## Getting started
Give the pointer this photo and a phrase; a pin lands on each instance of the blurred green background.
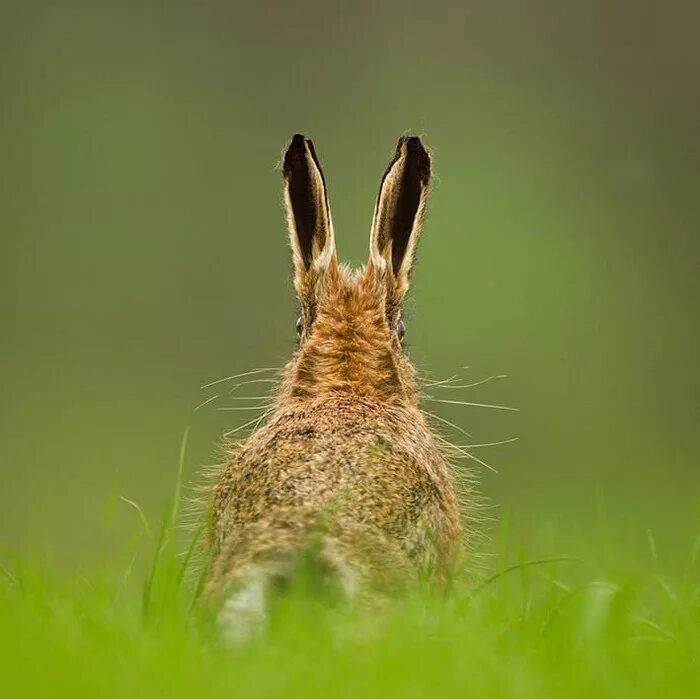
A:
(144, 249)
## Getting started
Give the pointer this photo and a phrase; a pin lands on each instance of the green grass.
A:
(553, 627)
(536, 629)
(527, 632)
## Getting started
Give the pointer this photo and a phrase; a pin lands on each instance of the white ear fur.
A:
(399, 210)
(308, 213)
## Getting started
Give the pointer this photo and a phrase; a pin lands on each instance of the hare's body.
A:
(346, 462)
(367, 480)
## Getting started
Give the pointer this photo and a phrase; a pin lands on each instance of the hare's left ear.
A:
(308, 213)
(398, 214)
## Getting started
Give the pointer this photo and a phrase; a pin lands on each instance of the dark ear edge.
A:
(401, 201)
(307, 202)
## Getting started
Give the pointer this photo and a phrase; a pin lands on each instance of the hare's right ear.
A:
(308, 213)
(398, 213)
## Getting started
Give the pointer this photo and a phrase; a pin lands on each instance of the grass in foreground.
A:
(534, 629)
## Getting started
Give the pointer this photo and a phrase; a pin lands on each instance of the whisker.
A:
(430, 384)
(255, 420)
(247, 383)
(238, 376)
(206, 402)
(488, 444)
(465, 454)
(261, 418)
(478, 383)
(245, 407)
(451, 424)
(480, 461)
(249, 398)
(468, 455)
(473, 405)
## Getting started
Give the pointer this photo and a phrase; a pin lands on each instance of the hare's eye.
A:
(300, 325)
(400, 330)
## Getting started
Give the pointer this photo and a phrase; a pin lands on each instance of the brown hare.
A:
(346, 457)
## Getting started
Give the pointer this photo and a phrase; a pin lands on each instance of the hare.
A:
(346, 444)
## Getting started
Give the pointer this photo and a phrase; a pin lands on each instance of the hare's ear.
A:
(398, 214)
(308, 213)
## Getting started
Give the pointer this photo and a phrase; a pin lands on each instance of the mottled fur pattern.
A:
(346, 461)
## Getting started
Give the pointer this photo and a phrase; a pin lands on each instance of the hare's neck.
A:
(351, 368)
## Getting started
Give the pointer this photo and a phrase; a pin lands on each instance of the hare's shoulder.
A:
(338, 445)
(341, 423)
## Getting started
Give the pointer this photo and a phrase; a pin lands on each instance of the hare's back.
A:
(361, 460)
(354, 468)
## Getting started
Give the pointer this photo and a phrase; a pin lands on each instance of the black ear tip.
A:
(410, 143)
(296, 152)
(416, 156)
(301, 144)
(413, 142)
(298, 144)
(413, 148)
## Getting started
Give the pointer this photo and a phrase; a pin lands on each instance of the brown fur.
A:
(346, 458)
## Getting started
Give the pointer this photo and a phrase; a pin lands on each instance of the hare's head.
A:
(350, 328)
